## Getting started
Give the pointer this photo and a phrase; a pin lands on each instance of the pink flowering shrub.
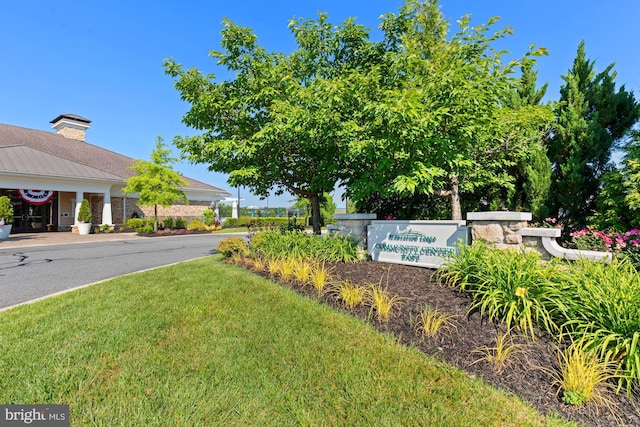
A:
(622, 245)
(551, 223)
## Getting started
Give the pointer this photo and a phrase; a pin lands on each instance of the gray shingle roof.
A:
(55, 153)
(20, 159)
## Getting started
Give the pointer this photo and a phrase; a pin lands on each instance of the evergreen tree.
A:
(591, 117)
(532, 169)
(618, 203)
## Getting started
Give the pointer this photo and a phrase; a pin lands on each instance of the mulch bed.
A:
(460, 346)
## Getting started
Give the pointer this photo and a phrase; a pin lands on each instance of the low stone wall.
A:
(499, 228)
(511, 230)
(502, 229)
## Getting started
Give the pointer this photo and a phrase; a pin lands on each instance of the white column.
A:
(79, 196)
(106, 208)
(234, 209)
(124, 210)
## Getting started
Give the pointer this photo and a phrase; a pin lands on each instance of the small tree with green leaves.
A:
(84, 214)
(6, 210)
(156, 183)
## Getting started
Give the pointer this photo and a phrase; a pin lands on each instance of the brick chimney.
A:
(71, 126)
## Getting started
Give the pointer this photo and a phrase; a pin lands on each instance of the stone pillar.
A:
(500, 228)
(355, 225)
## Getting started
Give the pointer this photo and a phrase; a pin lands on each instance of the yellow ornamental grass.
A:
(350, 293)
(302, 271)
(500, 354)
(382, 302)
(273, 265)
(582, 377)
(259, 264)
(432, 320)
(287, 269)
(320, 278)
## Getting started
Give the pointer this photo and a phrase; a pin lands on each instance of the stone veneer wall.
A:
(117, 206)
(510, 230)
(500, 228)
(72, 133)
(192, 210)
(354, 225)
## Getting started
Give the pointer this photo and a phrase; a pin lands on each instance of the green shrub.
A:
(209, 216)
(246, 221)
(6, 210)
(278, 244)
(181, 224)
(84, 214)
(169, 223)
(604, 313)
(196, 225)
(232, 246)
(147, 229)
(139, 224)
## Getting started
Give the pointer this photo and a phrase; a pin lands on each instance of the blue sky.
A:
(103, 60)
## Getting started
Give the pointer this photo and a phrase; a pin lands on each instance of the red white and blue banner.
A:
(36, 197)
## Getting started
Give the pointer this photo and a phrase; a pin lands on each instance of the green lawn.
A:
(204, 343)
(230, 230)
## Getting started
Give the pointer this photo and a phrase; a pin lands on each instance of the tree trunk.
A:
(456, 209)
(315, 213)
(155, 217)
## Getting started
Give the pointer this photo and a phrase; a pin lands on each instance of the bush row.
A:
(145, 225)
(266, 222)
(277, 243)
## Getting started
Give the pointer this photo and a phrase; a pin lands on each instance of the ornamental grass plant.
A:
(582, 377)
(505, 349)
(320, 277)
(603, 313)
(512, 286)
(381, 302)
(350, 293)
(433, 320)
(462, 269)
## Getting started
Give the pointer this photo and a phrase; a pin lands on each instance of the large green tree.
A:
(155, 182)
(441, 125)
(591, 117)
(283, 122)
(416, 114)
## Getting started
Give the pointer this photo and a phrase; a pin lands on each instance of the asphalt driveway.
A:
(34, 266)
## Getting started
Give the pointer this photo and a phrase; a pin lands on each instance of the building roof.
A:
(20, 159)
(37, 152)
(71, 116)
